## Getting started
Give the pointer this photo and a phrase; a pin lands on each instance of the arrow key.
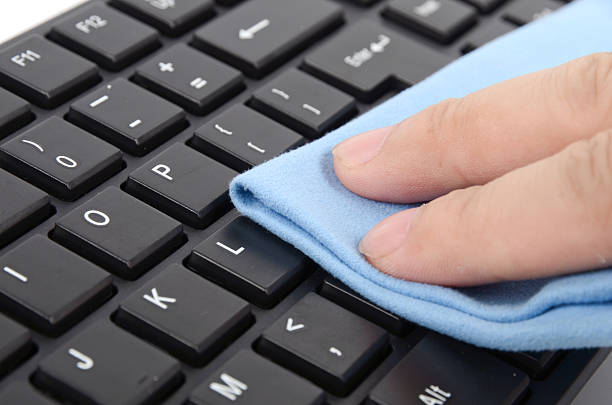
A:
(185, 314)
(324, 343)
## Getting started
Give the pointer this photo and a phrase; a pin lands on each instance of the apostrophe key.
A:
(248, 260)
(258, 36)
(60, 158)
(303, 103)
(250, 379)
(325, 343)
(442, 20)
(439, 370)
(119, 233)
(184, 184)
(189, 78)
(22, 207)
(15, 345)
(49, 287)
(106, 36)
(105, 365)
(185, 314)
(14, 113)
(172, 17)
(366, 59)
(128, 116)
(242, 138)
(45, 73)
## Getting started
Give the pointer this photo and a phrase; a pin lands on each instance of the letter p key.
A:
(163, 170)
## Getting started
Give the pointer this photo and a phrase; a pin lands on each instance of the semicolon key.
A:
(15, 112)
(60, 158)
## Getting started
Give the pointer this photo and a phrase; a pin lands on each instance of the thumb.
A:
(551, 217)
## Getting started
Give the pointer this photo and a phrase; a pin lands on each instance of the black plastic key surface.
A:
(21, 393)
(249, 379)
(325, 343)
(304, 103)
(119, 233)
(105, 365)
(366, 59)
(60, 158)
(22, 207)
(184, 184)
(521, 12)
(49, 287)
(15, 345)
(107, 37)
(342, 295)
(536, 364)
(248, 260)
(172, 17)
(128, 116)
(442, 20)
(14, 113)
(258, 36)
(185, 314)
(439, 370)
(485, 6)
(45, 73)
(189, 78)
(482, 35)
(242, 138)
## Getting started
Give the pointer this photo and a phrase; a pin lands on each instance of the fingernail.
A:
(388, 235)
(361, 148)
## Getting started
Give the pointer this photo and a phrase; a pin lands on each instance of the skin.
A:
(519, 176)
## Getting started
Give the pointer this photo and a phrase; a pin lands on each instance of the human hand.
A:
(527, 165)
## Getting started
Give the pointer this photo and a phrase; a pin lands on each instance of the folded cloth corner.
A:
(298, 197)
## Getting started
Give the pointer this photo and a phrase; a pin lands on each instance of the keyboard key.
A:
(22, 207)
(20, 393)
(61, 158)
(366, 59)
(439, 370)
(106, 36)
(536, 364)
(248, 260)
(325, 343)
(249, 379)
(107, 366)
(14, 113)
(184, 184)
(339, 293)
(49, 287)
(44, 73)
(242, 138)
(521, 12)
(15, 345)
(186, 315)
(172, 17)
(485, 34)
(119, 233)
(128, 117)
(485, 6)
(442, 20)
(258, 36)
(190, 79)
(304, 103)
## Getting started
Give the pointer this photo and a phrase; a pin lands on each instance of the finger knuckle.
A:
(587, 85)
(586, 173)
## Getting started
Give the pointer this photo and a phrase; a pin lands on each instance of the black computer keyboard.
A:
(125, 275)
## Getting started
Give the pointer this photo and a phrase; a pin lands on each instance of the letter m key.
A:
(231, 387)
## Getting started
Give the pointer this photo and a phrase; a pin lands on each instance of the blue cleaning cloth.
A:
(298, 197)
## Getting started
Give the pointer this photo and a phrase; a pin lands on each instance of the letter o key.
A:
(94, 216)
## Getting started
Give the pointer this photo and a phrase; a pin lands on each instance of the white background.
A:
(17, 16)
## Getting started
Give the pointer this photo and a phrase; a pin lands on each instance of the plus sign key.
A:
(190, 79)
(325, 343)
(185, 314)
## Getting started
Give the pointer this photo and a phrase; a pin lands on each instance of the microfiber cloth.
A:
(298, 197)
